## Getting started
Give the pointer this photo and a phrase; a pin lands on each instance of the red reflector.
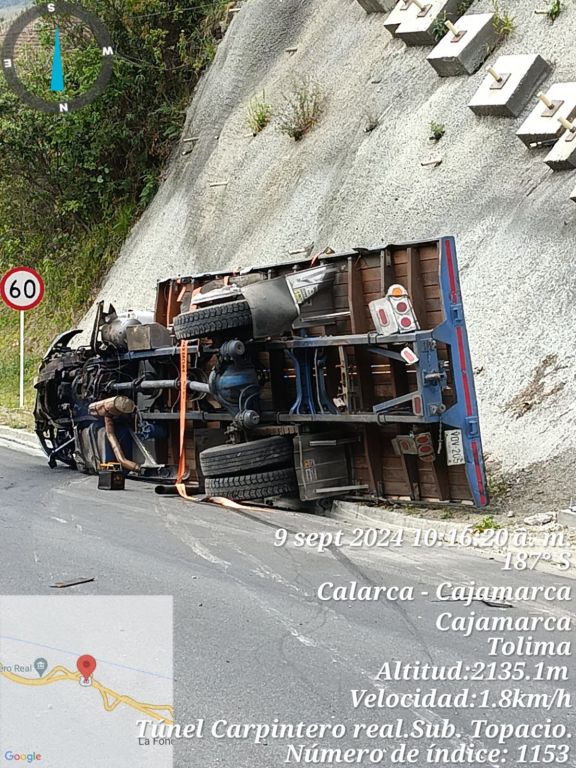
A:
(405, 322)
(425, 449)
(417, 405)
(424, 438)
(382, 316)
(402, 307)
(408, 356)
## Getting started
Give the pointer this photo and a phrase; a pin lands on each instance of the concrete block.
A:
(542, 124)
(562, 157)
(402, 11)
(464, 54)
(377, 6)
(418, 28)
(521, 75)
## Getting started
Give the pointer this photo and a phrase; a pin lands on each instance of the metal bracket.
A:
(387, 405)
(571, 135)
(304, 402)
(552, 111)
(424, 11)
(59, 449)
(325, 404)
(472, 427)
(457, 313)
(497, 85)
(149, 462)
(434, 377)
(386, 353)
(335, 443)
(459, 36)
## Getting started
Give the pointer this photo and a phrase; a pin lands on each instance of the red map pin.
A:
(86, 666)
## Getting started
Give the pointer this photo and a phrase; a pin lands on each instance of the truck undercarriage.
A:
(345, 377)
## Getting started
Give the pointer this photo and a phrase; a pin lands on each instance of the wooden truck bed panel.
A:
(428, 271)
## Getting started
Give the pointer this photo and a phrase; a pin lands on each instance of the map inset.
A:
(76, 676)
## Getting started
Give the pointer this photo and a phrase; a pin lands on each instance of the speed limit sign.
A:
(22, 288)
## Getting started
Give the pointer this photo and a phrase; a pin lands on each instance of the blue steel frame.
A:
(463, 414)
(432, 379)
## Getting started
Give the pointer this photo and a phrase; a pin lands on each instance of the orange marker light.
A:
(397, 290)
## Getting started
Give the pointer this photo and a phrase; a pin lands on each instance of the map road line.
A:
(62, 674)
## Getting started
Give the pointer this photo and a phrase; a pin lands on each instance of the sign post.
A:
(21, 359)
(22, 289)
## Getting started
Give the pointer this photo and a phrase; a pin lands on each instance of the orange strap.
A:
(183, 406)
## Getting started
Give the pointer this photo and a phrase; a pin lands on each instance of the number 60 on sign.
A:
(22, 289)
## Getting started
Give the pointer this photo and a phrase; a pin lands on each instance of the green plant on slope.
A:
(487, 523)
(437, 130)
(302, 109)
(464, 6)
(554, 10)
(259, 114)
(439, 28)
(504, 22)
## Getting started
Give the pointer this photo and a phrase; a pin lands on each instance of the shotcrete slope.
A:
(343, 187)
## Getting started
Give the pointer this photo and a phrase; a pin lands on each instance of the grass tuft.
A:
(439, 28)
(302, 108)
(464, 6)
(487, 523)
(554, 10)
(504, 22)
(437, 130)
(259, 114)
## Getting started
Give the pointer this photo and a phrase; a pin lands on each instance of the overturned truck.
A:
(345, 376)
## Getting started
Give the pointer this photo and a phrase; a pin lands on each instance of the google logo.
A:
(31, 758)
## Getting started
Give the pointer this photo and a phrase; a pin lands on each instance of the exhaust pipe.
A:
(106, 409)
(125, 463)
(112, 406)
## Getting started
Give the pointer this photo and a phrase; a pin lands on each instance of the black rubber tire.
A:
(276, 482)
(225, 460)
(208, 320)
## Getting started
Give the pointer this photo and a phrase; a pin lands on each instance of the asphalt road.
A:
(252, 639)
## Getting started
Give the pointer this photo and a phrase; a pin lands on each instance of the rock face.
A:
(342, 186)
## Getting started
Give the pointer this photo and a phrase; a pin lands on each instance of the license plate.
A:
(454, 447)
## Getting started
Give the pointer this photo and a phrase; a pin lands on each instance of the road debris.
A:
(540, 518)
(75, 583)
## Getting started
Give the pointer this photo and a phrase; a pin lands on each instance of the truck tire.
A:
(208, 320)
(225, 460)
(276, 482)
